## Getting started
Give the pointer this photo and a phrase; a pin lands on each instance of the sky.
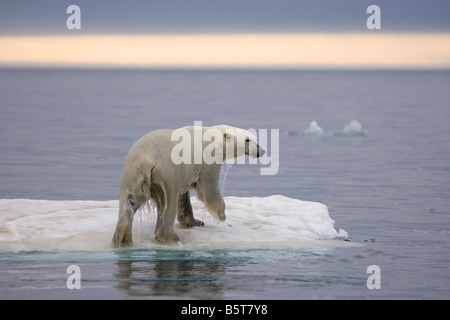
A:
(275, 33)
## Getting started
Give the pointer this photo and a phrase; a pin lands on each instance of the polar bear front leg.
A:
(185, 213)
(214, 202)
(208, 192)
(216, 206)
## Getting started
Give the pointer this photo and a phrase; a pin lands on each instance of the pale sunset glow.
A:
(417, 50)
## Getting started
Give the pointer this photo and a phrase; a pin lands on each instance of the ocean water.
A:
(371, 187)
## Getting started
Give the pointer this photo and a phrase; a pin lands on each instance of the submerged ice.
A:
(252, 222)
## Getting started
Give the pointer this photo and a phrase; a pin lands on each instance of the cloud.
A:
(46, 17)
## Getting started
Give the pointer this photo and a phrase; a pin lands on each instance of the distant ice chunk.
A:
(313, 130)
(353, 129)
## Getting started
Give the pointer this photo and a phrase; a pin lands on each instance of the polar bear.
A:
(160, 168)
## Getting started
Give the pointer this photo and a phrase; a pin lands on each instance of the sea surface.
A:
(380, 164)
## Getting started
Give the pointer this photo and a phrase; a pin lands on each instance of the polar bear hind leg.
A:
(123, 235)
(134, 193)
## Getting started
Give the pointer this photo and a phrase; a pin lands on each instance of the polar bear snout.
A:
(253, 149)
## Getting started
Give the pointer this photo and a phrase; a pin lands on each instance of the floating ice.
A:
(252, 222)
(313, 130)
(354, 128)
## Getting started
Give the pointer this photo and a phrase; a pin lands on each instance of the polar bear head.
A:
(238, 142)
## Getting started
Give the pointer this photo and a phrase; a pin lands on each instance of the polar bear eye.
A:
(247, 140)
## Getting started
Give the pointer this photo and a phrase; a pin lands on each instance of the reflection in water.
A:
(169, 273)
(189, 274)
(216, 274)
